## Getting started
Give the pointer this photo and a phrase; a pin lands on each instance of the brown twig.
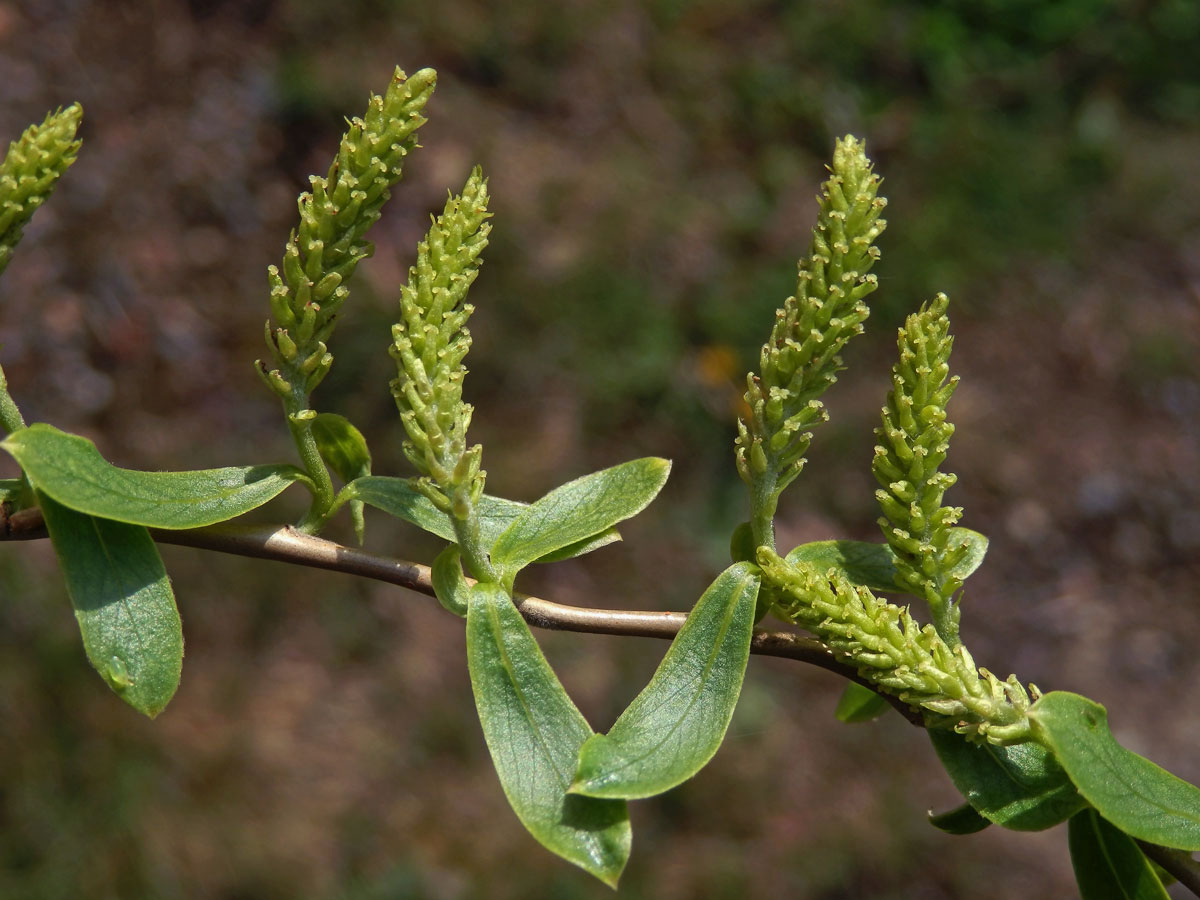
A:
(286, 544)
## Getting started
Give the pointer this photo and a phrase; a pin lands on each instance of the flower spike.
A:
(914, 438)
(802, 357)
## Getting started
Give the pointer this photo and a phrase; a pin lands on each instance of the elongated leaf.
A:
(1108, 864)
(578, 510)
(960, 820)
(1140, 798)
(859, 704)
(397, 497)
(123, 601)
(677, 723)
(874, 565)
(69, 469)
(449, 585)
(534, 732)
(1020, 787)
(344, 448)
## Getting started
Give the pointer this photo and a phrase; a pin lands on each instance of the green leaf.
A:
(861, 562)
(677, 723)
(10, 489)
(960, 820)
(534, 732)
(577, 510)
(1140, 798)
(1108, 864)
(449, 584)
(581, 548)
(874, 565)
(344, 448)
(123, 601)
(1165, 878)
(397, 497)
(1019, 787)
(70, 469)
(859, 704)
(977, 547)
(742, 546)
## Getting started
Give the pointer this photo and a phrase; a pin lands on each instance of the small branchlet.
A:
(897, 654)
(429, 344)
(801, 359)
(321, 255)
(914, 439)
(31, 169)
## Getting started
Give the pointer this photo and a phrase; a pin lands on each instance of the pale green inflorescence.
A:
(801, 359)
(324, 251)
(429, 344)
(31, 169)
(896, 654)
(915, 437)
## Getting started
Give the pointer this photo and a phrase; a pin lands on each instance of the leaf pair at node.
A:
(573, 519)
(401, 497)
(533, 730)
(1076, 771)
(97, 516)
(1074, 763)
(567, 785)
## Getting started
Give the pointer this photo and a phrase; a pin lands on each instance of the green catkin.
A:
(898, 655)
(429, 344)
(310, 285)
(802, 357)
(914, 437)
(30, 171)
(28, 175)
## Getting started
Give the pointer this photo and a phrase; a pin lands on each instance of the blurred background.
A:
(653, 167)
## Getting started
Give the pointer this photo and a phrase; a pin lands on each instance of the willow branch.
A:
(287, 545)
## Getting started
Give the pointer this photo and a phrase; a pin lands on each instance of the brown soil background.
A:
(649, 208)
